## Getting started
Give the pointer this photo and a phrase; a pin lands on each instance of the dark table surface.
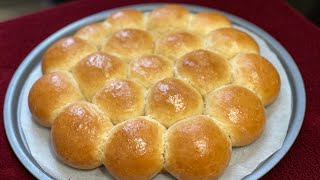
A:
(299, 36)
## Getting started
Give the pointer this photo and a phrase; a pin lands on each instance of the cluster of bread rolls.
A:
(142, 93)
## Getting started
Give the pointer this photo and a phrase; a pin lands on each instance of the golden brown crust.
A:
(96, 34)
(168, 18)
(228, 42)
(196, 149)
(65, 53)
(162, 64)
(121, 99)
(238, 111)
(204, 22)
(257, 74)
(126, 18)
(129, 43)
(177, 44)
(171, 100)
(78, 133)
(134, 149)
(50, 93)
(93, 71)
(205, 70)
(149, 69)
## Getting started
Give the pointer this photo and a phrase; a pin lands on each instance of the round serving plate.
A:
(12, 109)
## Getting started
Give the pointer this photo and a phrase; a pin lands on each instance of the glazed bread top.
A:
(143, 72)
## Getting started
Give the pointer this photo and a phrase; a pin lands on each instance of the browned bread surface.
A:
(238, 111)
(50, 94)
(134, 149)
(193, 73)
(121, 99)
(78, 134)
(93, 71)
(205, 70)
(196, 148)
(257, 74)
(65, 53)
(229, 42)
(171, 100)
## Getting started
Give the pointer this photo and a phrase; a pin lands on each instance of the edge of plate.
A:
(14, 132)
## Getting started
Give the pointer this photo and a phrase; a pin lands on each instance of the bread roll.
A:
(204, 22)
(228, 42)
(65, 53)
(167, 19)
(177, 44)
(171, 100)
(93, 71)
(238, 111)
(196, 149)
(50, 94)
(126, 18)
(205, 70)
(149, 69)
(257, 74)
(96, 34)
(121, 99)
(134, 149)
(129, 44)
(146, 70)
(78, 134)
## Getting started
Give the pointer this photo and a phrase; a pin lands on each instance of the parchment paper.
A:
(243, 162)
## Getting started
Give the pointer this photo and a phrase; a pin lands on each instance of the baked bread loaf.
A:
(78, 134)
(229, 42)
(238, 111)
(50, 94)
(134, 149)
(149, 69)
(176, 44)
(203, 23)
(196, 142)
(110, 91)
(129, 43)
(171, 100)
(65, 53)
(167, 19)
(126, 18)
(93, 71)
(205, 70)
(96, 34)
(257, 74)
(121, 99)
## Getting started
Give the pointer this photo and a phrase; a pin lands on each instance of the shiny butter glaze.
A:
(93, 71)
(121, 99)
(171, 100)
(129, 43)
(168, 18)
(134, 149)
(239, 111)
(95, 34)
(77, 134)
(50, 93)
(65, 53)
(177, 44)
(149, 69)
(228, 42)
(203, 23)
(126, 18)
(204, 145)
(257, 74)
(205, 70)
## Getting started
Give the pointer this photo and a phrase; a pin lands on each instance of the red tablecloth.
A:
(301, 38)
